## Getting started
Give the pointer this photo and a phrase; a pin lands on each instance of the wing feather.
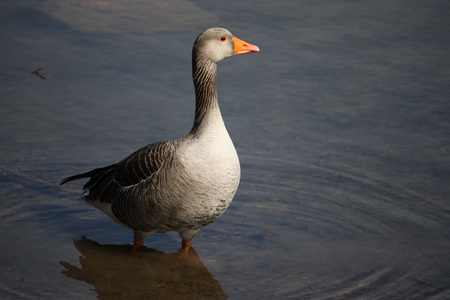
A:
(105, 183)
(142, 164)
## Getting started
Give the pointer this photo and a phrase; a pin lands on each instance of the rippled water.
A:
(342, 124)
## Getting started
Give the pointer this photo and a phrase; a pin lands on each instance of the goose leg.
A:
(186, 237)
(185, 245)
(139, 237)
(137, 243)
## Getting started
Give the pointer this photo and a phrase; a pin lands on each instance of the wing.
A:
(143, 163)
(105, 183)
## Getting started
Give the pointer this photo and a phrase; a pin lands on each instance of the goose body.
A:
(179, 185)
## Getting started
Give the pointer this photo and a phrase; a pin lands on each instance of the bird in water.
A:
(178, 185)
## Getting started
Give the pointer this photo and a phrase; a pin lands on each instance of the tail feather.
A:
(101, 185)
(89, 174)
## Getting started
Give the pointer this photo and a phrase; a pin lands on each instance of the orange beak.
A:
(241, 47)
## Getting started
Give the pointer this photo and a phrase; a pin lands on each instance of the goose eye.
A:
(223, 38)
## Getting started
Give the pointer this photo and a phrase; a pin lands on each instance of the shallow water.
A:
(341, 122)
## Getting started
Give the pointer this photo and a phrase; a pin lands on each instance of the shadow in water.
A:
(147, 274)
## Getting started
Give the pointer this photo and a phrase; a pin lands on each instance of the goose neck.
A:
(204, 73)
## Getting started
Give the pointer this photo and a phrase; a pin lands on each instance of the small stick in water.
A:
(37, 71)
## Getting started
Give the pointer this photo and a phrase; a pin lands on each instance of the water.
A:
(341, 123)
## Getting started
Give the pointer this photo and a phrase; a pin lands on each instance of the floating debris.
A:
(38, 70)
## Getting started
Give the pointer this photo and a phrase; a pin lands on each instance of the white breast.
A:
(213, 165)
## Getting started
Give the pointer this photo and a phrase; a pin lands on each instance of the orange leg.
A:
(137, 243)
(185, 245)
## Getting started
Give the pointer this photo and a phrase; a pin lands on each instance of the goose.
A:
(183, 184)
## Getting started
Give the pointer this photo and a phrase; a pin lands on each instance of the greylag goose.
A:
(179, 185)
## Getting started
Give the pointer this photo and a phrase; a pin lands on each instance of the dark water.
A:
(342, 124)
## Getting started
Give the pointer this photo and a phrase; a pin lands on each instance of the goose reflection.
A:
(148, 274)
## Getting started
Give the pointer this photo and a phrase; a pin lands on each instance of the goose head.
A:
(216, 44)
